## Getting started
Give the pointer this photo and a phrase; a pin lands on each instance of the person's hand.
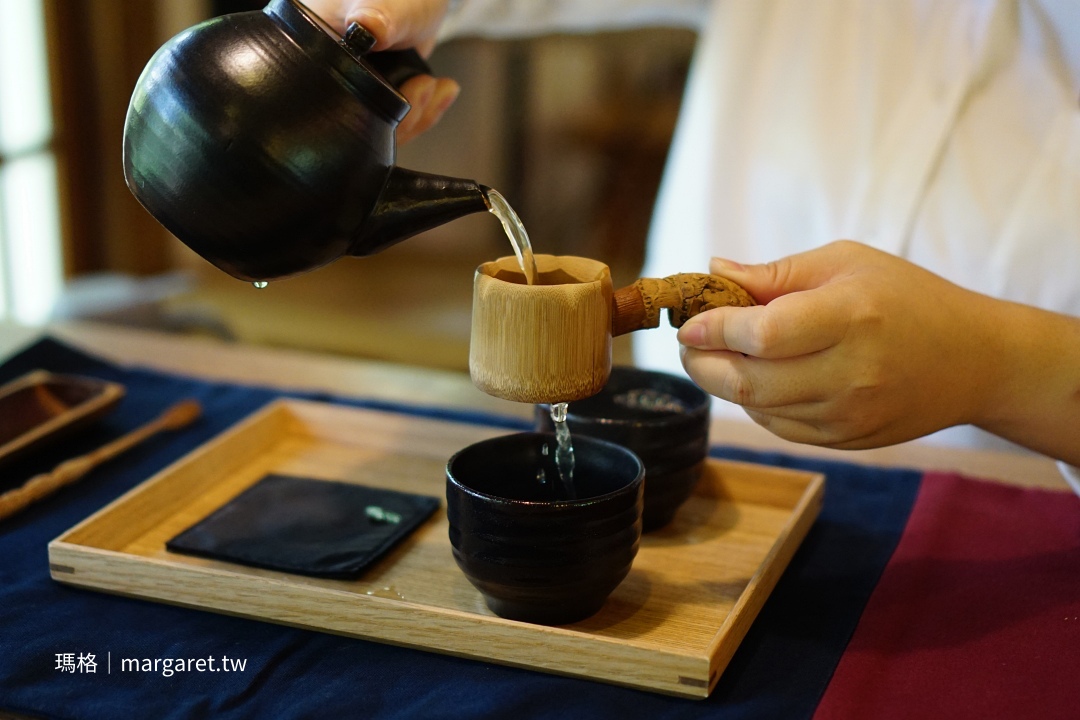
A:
(399, 25)
(851, 347)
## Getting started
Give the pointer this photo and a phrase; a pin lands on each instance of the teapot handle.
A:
(399, 66)
(396, 66)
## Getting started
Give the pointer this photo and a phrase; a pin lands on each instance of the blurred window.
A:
(30, 251)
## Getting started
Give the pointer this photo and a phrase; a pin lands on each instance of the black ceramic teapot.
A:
(265, 142)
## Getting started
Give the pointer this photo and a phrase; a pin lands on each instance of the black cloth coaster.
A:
(309, 527)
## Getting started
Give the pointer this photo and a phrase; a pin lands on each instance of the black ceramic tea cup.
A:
(535, 553)
(662, 418)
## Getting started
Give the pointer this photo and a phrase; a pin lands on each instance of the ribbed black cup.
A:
(534, 553)
(672, 438)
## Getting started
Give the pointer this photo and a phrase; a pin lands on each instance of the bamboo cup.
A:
(551, 342)
(548, 342)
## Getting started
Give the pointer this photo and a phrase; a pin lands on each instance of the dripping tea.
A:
(662, 418)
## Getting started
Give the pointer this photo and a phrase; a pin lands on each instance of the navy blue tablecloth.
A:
(46, 628)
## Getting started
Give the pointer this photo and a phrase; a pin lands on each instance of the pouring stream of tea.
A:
(564, 450)
(515, 231)
(519, 239)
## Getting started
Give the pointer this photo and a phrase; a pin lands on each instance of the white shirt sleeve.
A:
(510, 18)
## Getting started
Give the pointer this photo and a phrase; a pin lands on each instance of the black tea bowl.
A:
(536, 551)
(662, 418)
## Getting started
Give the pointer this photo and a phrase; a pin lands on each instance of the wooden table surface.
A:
(298, 370)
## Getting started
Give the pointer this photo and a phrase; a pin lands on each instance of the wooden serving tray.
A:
(671, 626)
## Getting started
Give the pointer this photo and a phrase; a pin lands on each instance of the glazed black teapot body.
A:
(266, 143)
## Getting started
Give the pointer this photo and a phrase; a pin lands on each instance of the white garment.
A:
(943, 131)
(510, 18)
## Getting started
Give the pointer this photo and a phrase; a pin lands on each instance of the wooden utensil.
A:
(551, 342)
(41, 407)
(39, 486)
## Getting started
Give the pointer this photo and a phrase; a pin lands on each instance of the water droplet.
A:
(386, 591)
(260, 284)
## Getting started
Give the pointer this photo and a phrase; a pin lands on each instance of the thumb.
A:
(398, 25)
(376, 20)
(767, 281)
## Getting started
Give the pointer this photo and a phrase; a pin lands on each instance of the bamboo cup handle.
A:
(71, 470)
(637, 306)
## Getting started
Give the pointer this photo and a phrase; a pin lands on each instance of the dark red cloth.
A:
(977, 614)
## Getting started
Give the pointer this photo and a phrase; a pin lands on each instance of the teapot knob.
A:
(396, 66)
(359, 39)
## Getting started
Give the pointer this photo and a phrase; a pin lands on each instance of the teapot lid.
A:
(315, 36)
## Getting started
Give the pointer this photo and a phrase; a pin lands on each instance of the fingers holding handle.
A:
(394, 38)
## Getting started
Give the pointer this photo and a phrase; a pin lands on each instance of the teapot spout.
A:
(412, 202)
